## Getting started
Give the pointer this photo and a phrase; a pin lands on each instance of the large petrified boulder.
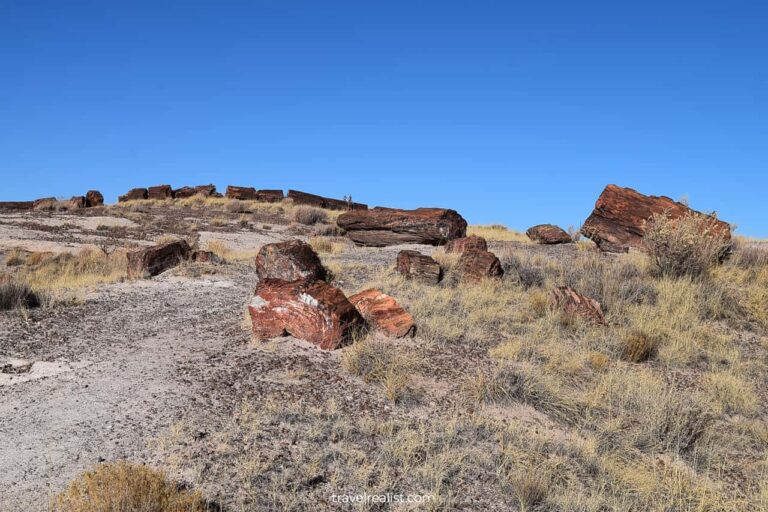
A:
(618, 221)
(160, 192)
(151, 261)
(241, 193)
(414, 265)
(379, 227)
(184, 192)
(289, 261)
(94, 198)
(206, 190)
(134, 194)
(383, 313)
(467, 243)
(323, 202)
(313, 311)
(572, 302)
(270, 196)
(16, 205)
(548, 234)
(478, 265)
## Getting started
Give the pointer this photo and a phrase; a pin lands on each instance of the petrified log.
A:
(160, 192)
(17, 205)
(467, 243)
(94, 198)
(572, 302)
(548, 234)
(153, 260)
(200, 256)
(379, 227)
(270, 196)
(618, 220)
(323, 202)
(383, 313)
(134, 194)
(46, 203)
(414, 265)
(206, 190)
(478, 265)
(241, 193)
(290, 261)
(309, 310)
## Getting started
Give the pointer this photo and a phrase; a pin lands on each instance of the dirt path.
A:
(119, 381)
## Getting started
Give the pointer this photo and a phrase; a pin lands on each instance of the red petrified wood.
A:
(618, 221)
(133, 195)
(414, 265)
(312, 311)
(289, 261)
(572, 302)
(94, 198)
(548, 234)
(160, 192)
(379, 227)
(467, 243)
(242, 193)
(383, 313)
(153, 260)
(478, 265)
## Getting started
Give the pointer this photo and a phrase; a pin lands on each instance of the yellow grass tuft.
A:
(498, 232)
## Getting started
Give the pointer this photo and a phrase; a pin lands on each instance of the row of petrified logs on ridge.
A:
(161, 192)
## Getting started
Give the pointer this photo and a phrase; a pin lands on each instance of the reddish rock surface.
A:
(618, 221)
(133, 195)
(478, 265)
(184, 192)
(548, 234)
(270, 196)
(241, 193)
(204, 257)
(323, 202)
(312, 311)
(160, 192)
(153, 260)
(572, 302)
(467, 243)
(206, 190)
(45, 203)
(17, 205)
(379, 227)
(94, 198)
(383, 313)
(414, 265)
(290, 261)
(77, 202)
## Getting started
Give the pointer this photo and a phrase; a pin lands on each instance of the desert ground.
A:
(499, 402)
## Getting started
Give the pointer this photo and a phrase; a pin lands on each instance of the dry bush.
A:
(219, 220)
(498, 232)
(685, 246)
(308, 215)
(732, 393)
(530, 272)
(237, 206)
(379, 360)
(15, 295)
(749, 254)
(124, 487)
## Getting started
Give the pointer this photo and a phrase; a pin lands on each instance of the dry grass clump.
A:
(15, 257)
(686, 246)
(639, 347)
(308, 215)
(379, 360)
(124, 487)
(221, 249)
(15, 295)
(329, 245)
(731, 393)
(498, 232)
(88, 267)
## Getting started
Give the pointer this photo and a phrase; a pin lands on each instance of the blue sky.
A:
(511, 112)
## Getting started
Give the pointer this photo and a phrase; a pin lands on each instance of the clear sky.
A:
(511, 112)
